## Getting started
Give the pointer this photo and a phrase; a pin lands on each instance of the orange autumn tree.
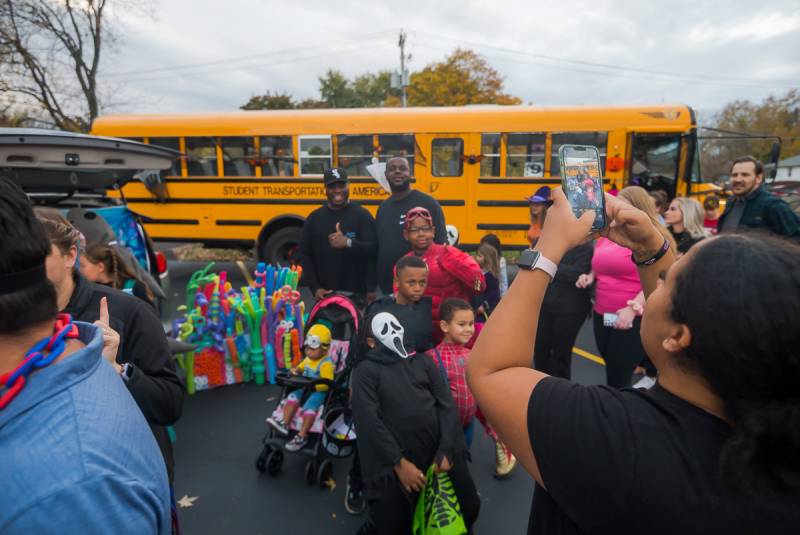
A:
(464, 77)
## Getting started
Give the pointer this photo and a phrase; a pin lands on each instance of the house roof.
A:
(794, 161)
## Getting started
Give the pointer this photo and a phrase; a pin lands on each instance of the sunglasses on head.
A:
(418, 213)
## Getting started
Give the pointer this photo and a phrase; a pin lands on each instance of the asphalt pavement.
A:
(219, 437)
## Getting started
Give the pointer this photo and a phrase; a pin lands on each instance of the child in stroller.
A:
(329, 431)
(316, 365)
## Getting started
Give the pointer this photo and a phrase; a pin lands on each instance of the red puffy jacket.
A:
(451, 273)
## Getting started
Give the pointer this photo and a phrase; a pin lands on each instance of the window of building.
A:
(276, 156)
(525, 154)
(201, 156)
(354, 154)
(595, 139)
(446, 156)
(490, 150)
(315, 154)
(237, 156)
(169, 143)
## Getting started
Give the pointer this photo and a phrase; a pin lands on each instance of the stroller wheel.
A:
(311, 471)
(324, 472)
(261, 460)
(274, 462)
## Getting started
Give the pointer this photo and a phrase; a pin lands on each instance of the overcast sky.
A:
(202, 55)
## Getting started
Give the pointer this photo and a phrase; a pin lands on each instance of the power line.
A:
(228, 61)
(673, 78)
(603, 65)
(261, 65)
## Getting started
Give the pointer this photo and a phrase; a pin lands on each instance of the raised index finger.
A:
(104, 310)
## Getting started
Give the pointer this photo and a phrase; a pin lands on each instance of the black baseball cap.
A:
(332, 176)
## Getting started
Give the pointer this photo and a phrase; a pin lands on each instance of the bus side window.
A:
(201, 156)
(391, 145)
(315, 154)
(169, 143)
(354, 154)
(276, 156)
(525, 155)
(595, 139)
(236, 155)
(446, 157)
(490, 150)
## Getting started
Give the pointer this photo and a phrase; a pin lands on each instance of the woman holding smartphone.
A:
(712, 447)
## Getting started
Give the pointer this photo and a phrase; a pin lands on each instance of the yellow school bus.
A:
(252, 177)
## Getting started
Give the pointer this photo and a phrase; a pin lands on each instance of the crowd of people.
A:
(705, 329)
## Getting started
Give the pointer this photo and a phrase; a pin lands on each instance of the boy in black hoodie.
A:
(406, 421)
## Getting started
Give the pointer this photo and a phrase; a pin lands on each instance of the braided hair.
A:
(115, 266)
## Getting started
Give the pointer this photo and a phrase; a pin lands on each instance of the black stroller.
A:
(332, 434)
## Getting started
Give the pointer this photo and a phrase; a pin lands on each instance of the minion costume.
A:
(322, 368)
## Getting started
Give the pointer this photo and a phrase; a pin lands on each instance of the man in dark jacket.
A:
(390, 219)
(143, 361)
(338, 242)
(752, 206)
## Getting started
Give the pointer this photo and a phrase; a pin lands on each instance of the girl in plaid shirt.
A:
(457, 322)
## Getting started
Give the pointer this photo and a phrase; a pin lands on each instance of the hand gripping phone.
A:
(582, 181)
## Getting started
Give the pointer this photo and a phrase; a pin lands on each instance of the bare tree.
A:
(50, 54)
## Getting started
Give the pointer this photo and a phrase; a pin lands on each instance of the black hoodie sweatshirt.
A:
(403, 408)
(154, 384)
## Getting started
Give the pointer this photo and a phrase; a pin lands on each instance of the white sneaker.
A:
(278, 423)
(296, 444)
(645, 383)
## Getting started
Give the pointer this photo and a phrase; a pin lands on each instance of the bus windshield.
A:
(655, 161)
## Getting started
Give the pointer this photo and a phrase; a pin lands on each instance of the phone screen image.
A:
(582, 181)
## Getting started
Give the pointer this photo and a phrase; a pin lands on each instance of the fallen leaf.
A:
(186, 501)
(330, 483)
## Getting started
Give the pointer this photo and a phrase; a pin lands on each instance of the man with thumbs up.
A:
(338, 244)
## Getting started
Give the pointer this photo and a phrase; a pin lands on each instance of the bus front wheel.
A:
(282, 247)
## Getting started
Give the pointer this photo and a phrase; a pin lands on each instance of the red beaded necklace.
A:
(11, 383)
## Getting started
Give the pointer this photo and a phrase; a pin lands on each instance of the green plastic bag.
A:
(438, 512)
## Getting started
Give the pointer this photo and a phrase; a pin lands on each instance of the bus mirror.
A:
(774, 156)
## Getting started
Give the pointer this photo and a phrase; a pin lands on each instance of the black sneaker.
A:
(354, 501)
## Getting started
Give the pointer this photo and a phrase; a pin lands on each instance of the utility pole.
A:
(403, 72)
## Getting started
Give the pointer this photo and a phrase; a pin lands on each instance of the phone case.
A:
(609, 319)
(600, 220)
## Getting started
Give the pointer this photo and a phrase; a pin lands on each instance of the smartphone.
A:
(582, 181)
(609, 319)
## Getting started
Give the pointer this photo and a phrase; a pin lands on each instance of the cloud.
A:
(209, 56)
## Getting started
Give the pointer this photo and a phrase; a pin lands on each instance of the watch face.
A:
(528, 258)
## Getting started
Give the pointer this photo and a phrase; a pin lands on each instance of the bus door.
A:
(448, 168)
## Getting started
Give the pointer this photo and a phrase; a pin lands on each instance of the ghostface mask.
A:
(389, 333)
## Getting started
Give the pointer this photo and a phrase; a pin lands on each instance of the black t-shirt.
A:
(562, 296)
(346, 269)
(637, 461)
(389, 223)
